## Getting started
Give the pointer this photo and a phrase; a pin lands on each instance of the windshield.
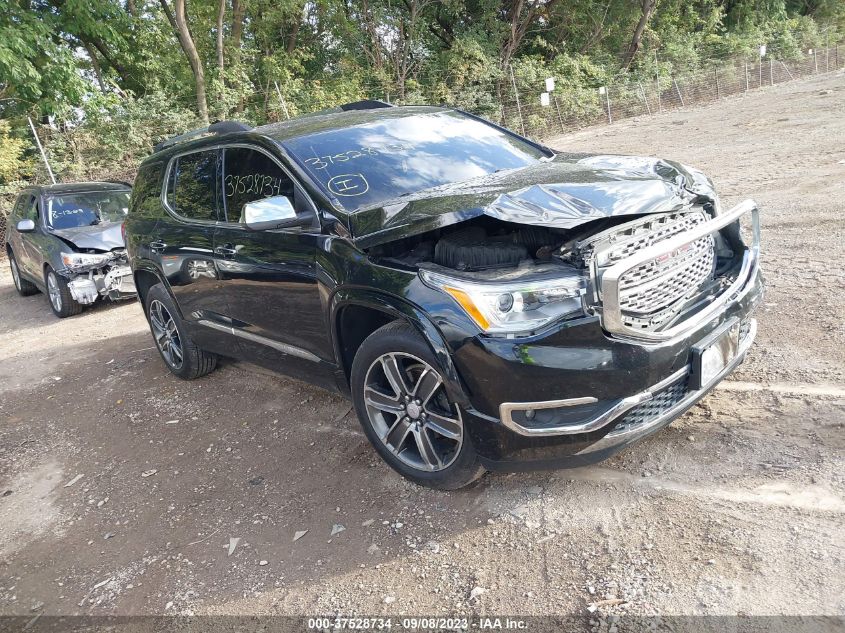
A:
(366, 165)
(87, 209)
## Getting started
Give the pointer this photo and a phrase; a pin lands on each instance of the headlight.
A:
(512, 306)
(75, 261)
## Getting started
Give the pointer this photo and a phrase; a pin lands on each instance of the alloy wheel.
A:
(411, 413)
(16, 276)
(166, 334)
(54, 292)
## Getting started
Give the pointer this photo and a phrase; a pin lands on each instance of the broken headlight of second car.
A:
(514, 306)
(77, 262)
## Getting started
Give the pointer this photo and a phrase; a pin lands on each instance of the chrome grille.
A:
(653, 293)
(650, 410)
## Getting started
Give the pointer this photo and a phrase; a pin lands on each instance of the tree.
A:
(636, 38)
(180, 24)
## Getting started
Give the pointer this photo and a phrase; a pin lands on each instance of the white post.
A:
(746, 76)
(518, 106)
(657, 82)
(645, 98)
(41, 149)
(559, 117)
(607, 98)
(827, 53)
(282, 99)
(678, 90)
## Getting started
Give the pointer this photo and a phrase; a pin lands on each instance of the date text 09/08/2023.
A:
(417, 623)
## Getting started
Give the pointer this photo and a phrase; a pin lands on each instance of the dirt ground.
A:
(124, 490)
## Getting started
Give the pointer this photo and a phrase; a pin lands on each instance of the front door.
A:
(270, 277)
(28, 258)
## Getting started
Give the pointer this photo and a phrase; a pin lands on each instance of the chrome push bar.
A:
(611, 311)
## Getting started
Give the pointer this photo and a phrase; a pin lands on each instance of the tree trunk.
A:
(187, 43)
(647, 8)
(520, 16)
(169, 14)
(291, 46)
(221, 12)
(238, 10)
(95, 64)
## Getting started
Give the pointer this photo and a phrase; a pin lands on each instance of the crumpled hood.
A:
(563, 193)
(104, 237)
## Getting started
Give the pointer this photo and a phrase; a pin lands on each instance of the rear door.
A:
(270, 277)
(183, 243)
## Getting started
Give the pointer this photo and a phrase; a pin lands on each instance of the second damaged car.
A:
(67, 241)
(486, 302)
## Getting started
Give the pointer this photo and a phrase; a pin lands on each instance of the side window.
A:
(17, 210)
(146, 190)
(191, 186)
(250, 175)
(30, 209)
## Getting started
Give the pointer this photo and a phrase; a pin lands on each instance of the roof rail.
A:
(366, 104)
(218, 127)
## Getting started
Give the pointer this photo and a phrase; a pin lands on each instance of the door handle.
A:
(157, 245)
(226, 251)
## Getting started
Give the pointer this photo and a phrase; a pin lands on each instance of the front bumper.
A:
(115, 282)
(610, 390)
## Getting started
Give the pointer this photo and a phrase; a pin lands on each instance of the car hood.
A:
(568, 191)
(104, 237)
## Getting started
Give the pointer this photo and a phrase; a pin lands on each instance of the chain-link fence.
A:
(626, 97)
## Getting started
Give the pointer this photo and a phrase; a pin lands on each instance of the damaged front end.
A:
(642, 244)
(97, 274)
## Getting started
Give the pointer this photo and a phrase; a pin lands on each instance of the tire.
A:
(25, 288)
(422, 438)
(182, 357)
(58, 294)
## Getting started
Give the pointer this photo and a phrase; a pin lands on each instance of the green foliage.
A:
(13, 164)
(108, 78)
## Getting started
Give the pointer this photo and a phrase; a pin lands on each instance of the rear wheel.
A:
(61, 301)
(178, 351)
(24, 287)
(402, 403)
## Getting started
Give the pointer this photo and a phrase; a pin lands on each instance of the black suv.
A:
(487, 302)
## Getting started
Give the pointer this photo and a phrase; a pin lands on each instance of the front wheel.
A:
(61, 301)
(402, 404)
(178, 351)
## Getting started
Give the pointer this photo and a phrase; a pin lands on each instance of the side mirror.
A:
(26, 226)
(272, 213)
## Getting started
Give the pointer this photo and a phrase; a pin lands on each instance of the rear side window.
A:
(250, 175)
(191, 186)
(146, 191)
(29, 208)
(20, 203)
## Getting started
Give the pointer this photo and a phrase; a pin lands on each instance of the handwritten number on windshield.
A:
(321, 162)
